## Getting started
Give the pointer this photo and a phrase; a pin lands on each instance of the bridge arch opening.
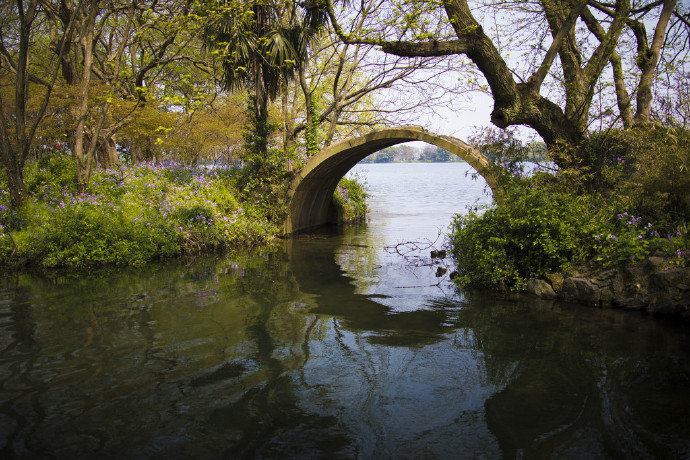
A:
(311, 190)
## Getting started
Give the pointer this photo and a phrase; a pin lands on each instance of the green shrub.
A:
(647, 167)
(87, 234)
(350, 200)
(625, 198)
(658, 184)
(54, 171)
(533, 234)
(537, 232)
(130, 215)
(7, 245)
(9, 218)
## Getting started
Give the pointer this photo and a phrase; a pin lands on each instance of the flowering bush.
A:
(630, 240)
(627, 201)
(533, 234)
(349, 198)
(129, 215)
(537, 232)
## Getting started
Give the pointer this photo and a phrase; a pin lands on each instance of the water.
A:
(329, 346)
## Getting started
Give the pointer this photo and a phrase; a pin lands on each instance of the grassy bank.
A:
(132, 214)
(635, 204)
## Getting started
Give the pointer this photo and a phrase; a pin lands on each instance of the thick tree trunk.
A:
(647, 59)
(15, 146)
(514, 104)
(15, 179)
(87, 40)
(528, 108)
(140, 153)
(106, 151)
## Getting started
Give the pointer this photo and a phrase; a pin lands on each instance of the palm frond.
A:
(249, 31)
(315, 14)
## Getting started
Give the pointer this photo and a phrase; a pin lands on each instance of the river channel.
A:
(337, 344)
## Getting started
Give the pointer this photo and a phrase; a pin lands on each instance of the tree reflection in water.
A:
(287, 353)
(564, 380)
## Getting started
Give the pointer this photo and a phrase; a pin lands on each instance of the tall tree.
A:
(122, 49)
(346, 89)
(261, 45)
(361, 88)
(18, 42)
(449, 27)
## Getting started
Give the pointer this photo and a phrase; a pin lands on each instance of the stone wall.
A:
(651, 285)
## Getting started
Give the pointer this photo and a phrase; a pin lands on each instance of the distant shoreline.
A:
(459, 160)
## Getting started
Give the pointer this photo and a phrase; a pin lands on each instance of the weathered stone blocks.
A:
(650, 286)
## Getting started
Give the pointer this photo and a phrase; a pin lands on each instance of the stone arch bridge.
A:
(312, 188)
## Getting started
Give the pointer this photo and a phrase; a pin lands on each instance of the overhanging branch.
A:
(537, 77)
(432, 48)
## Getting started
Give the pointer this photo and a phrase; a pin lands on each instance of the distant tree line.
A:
(408, 154)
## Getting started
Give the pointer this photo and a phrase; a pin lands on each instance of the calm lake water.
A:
(337, 344)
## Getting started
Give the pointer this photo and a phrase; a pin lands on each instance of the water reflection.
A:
(336, 294)
(583, 383)
(285, 354)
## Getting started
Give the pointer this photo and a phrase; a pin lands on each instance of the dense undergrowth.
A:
(630, 202)
(132, 214)
(350, 200)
